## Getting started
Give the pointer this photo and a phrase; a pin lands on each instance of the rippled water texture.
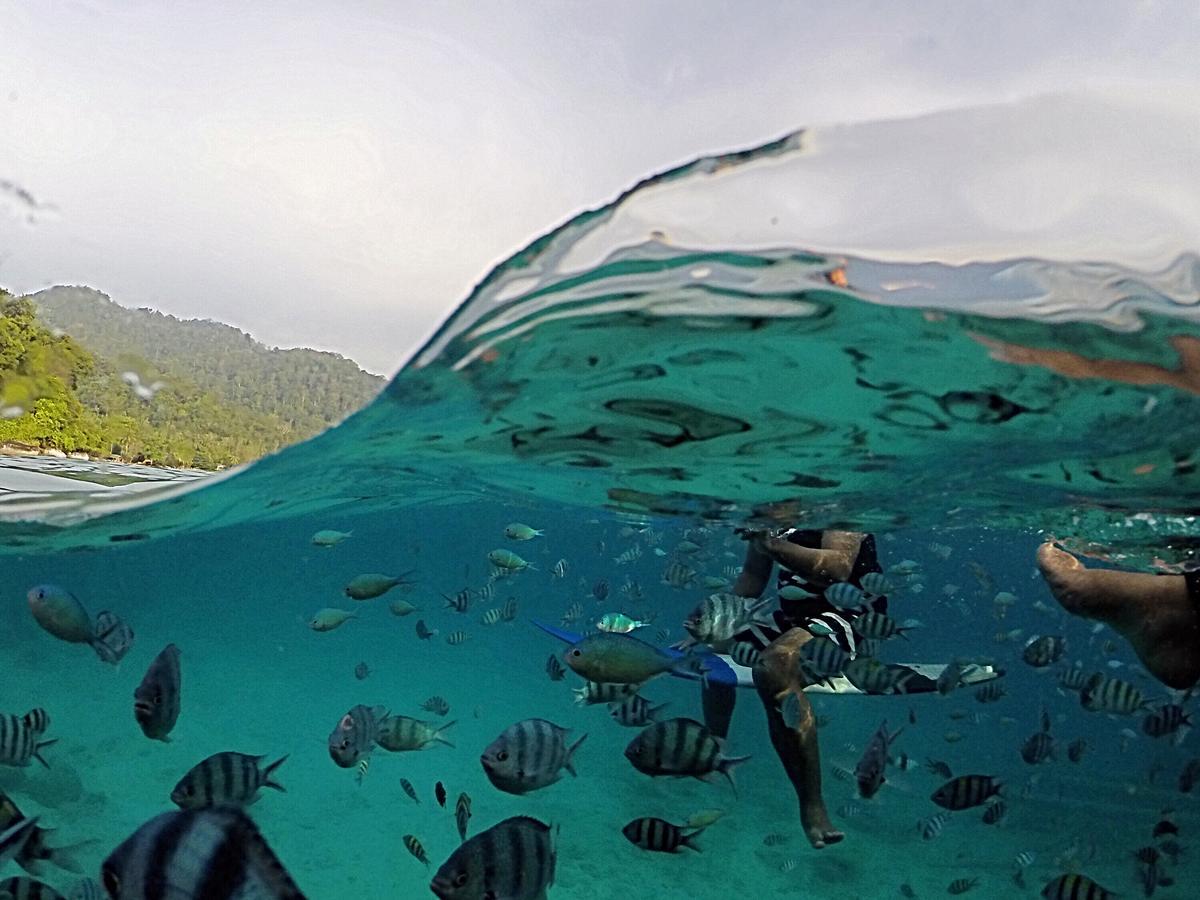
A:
(873, 324)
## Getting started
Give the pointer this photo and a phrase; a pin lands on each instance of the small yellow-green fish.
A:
(619, 623)
(507, 560)
(402, 608)
(329, 538)
(373, 584)
(328, 619)
(518, 532)
(706, 817)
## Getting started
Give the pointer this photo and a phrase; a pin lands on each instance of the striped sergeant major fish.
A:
(660, 835)
(1073, 678)
(871, 676)
(1111, 695)
(87, 889)
(19, 739)
(21, 887)
(226, 779)
(681, 747)
(14, 838)
(462, 814)
(156, 700)
(636, 711)
(822, 659)
(414, 846)
(931, 826)
(1075, 887)
(878, 626)
(529, 755)
(1166, 720)
(606, 692)
(35, 850)
(400, 733)
(515, 858)
(355, 735)
(460, 602)
(197, 853)
(966, 791)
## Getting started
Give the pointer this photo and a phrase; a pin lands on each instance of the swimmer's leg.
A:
(797, 749)
(718, 700)
(1157, 614)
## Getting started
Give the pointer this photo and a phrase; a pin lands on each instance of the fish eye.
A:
(577, 653)
(460, 879)
(112, 882)
(502, 755)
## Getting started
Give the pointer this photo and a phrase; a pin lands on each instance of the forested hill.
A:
(308, 389)
(78, 373)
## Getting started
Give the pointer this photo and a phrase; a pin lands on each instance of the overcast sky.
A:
(338, 175)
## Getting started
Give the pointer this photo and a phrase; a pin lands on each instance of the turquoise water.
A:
(676, 363)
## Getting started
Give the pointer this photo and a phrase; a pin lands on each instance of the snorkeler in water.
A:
(811, 560)
(1158, 614)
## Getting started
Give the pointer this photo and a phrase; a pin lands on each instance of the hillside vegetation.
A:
(79, 373)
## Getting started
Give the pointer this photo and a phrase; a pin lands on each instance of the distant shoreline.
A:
(28, 451)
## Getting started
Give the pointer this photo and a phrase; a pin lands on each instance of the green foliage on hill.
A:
(206, 395)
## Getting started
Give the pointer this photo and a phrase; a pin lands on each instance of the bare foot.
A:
(817, 827)
(1152, 612)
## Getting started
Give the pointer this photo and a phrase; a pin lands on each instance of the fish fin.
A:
(689, 840)
(268, 780)
(437, 735)
(64, 857)
(569, 763)
(725, 767)
(37, 751)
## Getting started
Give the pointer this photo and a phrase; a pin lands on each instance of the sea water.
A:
(755, 337)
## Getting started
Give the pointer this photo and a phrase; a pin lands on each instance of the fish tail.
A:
(689, 840)
(569, 763)
(653, 711)
(268, 772)
(439, 738)
(725, 767)
(37, 751)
